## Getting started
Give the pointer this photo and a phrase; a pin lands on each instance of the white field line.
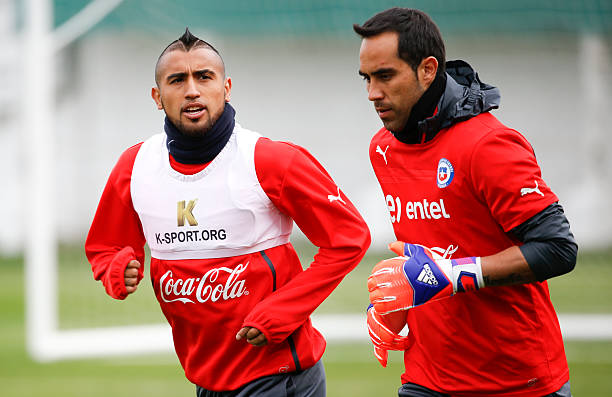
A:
(352, 327)
(337, 329)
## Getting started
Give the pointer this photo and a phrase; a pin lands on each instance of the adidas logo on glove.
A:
(419, 275)
(427, 277)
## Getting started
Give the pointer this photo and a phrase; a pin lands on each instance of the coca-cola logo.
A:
(205, 288)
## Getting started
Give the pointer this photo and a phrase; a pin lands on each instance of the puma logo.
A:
(332, 198)
(529, 190)
(383, 154)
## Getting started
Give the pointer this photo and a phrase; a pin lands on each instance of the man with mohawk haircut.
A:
(216, 202)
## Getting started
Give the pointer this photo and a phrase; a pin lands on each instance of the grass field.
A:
(351, 369)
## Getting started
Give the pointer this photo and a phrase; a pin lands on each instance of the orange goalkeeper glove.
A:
(419, 276)
(382, 337)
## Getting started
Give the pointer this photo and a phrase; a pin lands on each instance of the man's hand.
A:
(383, 333)
(130, 276)
(418, 276)
(252, 335)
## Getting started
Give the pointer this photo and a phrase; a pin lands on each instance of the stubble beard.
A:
(192, 129)
(398, 124)
(394, 126)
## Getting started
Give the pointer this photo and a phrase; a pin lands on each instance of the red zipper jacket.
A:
(268, 290)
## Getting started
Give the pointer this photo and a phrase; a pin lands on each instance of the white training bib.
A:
(219, 212)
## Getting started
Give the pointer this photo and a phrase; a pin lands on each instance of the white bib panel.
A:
(221, 211)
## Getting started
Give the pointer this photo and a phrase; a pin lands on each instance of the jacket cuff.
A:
(114, 281)
(261, 329)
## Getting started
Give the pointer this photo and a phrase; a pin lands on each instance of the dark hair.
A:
(186, 42)
(418, 35)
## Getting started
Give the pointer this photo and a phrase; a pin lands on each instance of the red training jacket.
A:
(268, 290)
(460, 194)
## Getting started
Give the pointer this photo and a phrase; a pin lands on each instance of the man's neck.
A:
(425, 107)
(187, 149)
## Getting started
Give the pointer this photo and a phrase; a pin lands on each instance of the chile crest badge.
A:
(445, 173)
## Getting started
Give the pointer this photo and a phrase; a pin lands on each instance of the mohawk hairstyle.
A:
(188, 39)
(186, 42)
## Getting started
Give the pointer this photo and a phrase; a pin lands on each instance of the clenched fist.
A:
(130, 276)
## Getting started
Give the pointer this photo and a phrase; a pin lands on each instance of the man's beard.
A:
(191, 129)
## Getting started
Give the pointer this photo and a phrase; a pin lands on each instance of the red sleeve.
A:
(507, 176)
(301, 188)
(115, 237)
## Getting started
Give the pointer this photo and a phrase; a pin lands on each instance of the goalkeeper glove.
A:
(382, 337)
(419, 276)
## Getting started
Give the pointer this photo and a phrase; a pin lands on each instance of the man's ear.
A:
(427, 70)
(156, 97)
(228, 89)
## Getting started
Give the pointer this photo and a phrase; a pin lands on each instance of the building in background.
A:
(294, 70)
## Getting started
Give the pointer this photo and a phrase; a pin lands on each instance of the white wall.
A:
(555, 90)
